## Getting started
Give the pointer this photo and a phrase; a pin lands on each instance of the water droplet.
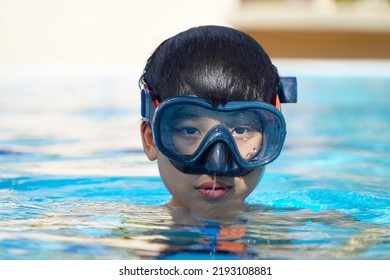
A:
(214, 183)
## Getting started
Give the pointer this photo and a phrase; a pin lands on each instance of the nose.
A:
(217, 159)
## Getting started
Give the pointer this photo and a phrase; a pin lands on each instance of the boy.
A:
(211, 117)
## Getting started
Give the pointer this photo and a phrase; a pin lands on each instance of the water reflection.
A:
(86, 230)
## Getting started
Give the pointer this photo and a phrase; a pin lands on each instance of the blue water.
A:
(75, 184)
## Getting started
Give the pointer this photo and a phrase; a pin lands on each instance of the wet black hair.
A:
(215, 63)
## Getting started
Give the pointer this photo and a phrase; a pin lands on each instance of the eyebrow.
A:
(186, 115)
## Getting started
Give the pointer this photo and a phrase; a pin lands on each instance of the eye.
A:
(189, 130)
(240, 130)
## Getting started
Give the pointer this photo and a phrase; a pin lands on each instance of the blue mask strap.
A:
(288, 90)
(147, 104)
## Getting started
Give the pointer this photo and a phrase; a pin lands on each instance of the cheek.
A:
(174, 180)
(249, 182)
(255, 176)
(167, 171)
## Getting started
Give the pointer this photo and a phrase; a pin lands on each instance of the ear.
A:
(148, 142)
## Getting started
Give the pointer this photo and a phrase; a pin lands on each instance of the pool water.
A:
(75, 184)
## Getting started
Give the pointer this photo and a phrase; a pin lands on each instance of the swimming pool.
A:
(75, 184)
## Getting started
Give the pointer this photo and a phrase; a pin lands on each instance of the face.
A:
(204, 195)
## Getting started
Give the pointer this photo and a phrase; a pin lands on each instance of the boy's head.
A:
(206, 96)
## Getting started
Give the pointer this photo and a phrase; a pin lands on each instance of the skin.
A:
(185, 187)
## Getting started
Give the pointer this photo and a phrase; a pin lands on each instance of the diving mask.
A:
(228, 140)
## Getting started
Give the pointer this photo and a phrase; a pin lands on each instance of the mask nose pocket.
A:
(217, 158)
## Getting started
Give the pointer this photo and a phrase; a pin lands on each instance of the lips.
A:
(213, 190)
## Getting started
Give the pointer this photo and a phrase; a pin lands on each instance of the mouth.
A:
(213, 189)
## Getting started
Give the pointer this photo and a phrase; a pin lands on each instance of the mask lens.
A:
(247, 130)
(254, 134)
(184, 128)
